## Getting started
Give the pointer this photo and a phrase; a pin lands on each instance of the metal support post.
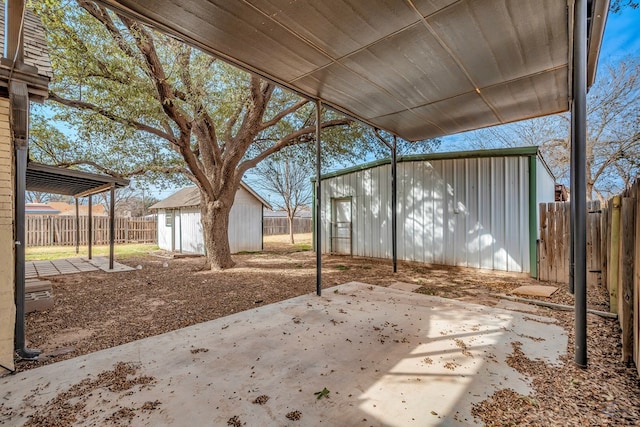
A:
(112, 224)
(77, 227)
(318, 202)
(579, 192)
(394, 204)
(90, 227)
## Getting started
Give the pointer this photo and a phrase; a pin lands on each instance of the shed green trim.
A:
(533, 218)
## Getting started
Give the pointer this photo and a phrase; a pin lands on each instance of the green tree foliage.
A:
(141, 102)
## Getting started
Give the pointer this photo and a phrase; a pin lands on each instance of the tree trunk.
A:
(290, 218)
(215, 225)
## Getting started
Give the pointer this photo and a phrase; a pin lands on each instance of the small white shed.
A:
(473, 209)
(180, 228)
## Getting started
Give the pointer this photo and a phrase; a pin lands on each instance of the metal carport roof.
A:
(68, 182)
(416, 68)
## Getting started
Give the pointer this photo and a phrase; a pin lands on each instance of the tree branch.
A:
(282, 114)
(109, 115)
(291, 139)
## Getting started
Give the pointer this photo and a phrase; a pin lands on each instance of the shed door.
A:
(341, 226)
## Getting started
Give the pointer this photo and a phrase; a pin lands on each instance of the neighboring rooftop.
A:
(40, 209)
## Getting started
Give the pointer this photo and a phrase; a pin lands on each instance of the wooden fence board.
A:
(625, 289)
(555, 242)
(51, 230)
(278, 225)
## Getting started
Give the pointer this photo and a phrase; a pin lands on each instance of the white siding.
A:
(245, 223)
(164, 232)
(546, 189)
(245, 227)
(470, 212)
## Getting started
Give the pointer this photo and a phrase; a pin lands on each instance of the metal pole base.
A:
(28, 354)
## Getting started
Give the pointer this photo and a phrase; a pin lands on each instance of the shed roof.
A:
(190, 196)
(416, 68)
(474, 154)
(68, 182)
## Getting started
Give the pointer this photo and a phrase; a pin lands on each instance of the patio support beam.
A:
(77, 227)
(90, 226)
(394, 200)
(579, 192)
(112, 223)
(394, 203)
(572, 205)
(318, 202)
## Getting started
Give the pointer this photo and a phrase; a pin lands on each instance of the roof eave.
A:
(600, 10)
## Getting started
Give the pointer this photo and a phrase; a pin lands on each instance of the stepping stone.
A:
(535, 290)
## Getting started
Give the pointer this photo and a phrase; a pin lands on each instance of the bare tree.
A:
(613, 133)
(289, 177)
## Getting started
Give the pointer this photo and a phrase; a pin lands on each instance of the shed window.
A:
(168, 219)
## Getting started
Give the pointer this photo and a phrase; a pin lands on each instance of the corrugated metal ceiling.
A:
(417, 68)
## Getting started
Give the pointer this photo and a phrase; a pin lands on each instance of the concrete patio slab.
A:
(387, 357)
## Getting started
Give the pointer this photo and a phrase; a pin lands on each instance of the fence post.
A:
(627, 245)
(543, 271)
(636, 281)
(614, 258)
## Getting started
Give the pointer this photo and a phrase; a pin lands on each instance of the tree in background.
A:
(287, 176)
(613, 133)
(143, 103)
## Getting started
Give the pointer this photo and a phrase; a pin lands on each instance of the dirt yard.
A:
(99, 310)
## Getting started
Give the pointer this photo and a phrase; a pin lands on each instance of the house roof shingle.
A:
(36, 52)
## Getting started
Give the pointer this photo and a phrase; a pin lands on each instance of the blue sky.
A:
(621, 36)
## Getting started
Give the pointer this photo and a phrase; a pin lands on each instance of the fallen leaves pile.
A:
(69, 407)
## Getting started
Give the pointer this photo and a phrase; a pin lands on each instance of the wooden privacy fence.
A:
(52, 230)
(278, 225)
(613, 257)
(554, 245)
(621, 266)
